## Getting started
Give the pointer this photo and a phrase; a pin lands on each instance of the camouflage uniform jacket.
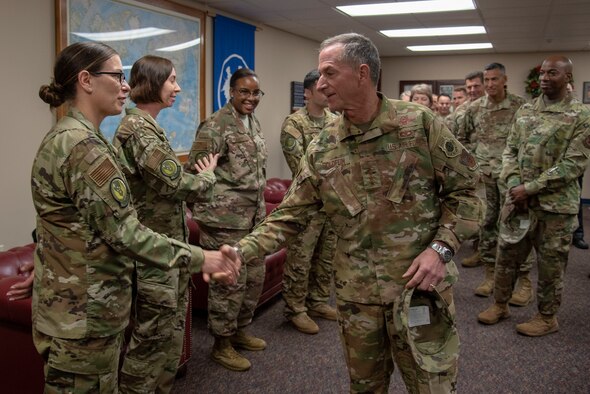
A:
(455, 119)
(388, 193)
(547, 150)
(485, 128)
(158, 185)
(241, 170)
(297, 132)
(85, 223)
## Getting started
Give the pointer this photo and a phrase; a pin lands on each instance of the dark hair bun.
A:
(52, 94)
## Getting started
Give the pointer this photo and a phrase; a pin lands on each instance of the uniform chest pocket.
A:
(343, 206)
(241, 151)
(401, 178)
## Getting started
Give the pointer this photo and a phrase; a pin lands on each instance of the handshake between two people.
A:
(221, 265)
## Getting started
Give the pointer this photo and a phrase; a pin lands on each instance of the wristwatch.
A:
(445, 253)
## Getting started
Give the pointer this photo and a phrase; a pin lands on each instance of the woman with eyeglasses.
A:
(159, 189)
(238, 204)
(88, 229)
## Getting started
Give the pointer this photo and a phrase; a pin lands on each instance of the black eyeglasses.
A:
(118, 74)
(247, 93)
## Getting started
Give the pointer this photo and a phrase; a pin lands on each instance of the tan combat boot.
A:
(523, 293)
(225, 355)
(324, 311)
(246, 341)
(494, 314)
(472, 261)
(304, 323)
(486, 287)
(538, 326)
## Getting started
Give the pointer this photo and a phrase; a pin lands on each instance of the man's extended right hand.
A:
(222, 266)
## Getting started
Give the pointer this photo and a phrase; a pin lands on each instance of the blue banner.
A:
(233, 49)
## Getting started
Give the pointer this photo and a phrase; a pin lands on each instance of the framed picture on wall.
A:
(148, 27)
(586, 93)
(438, 86)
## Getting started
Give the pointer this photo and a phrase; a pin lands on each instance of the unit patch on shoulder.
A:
(170, 168)
(468, 160)
(119, 192)
(450, 147)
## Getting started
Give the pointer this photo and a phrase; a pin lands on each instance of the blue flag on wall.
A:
(233, 49)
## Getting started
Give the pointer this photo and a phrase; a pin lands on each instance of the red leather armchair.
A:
(21, 367)
(19, 358)
(273, 194)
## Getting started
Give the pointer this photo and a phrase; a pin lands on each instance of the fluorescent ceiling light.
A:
(180, 46)
(435, 31)
(407, 7)
(450, 47)
(124, 34)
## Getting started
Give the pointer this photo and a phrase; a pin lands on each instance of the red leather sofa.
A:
(273, 194)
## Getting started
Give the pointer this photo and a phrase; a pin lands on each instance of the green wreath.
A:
(533, 86)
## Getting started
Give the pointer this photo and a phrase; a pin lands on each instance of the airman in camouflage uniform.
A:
(475, 90)
(88, 231)
(307, 273)
(234, 133)
(486, 125)
(547, 150)
(392, 179)
(159, 189)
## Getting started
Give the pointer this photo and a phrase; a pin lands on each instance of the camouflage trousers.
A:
(158, 318)
(371, 345)
(488, 233)
(551, 237)
(307, 276)
(232, 307)
(87, 365)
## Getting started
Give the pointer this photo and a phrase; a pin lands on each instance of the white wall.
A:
(280, 58)
(27, 47)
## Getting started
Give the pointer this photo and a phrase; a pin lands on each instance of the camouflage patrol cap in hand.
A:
(435, 341)
(514, 223)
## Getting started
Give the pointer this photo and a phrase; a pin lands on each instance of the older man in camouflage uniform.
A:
(399, 191)
(234, 133)
(486, 125)
(547, 150)
(308, 269)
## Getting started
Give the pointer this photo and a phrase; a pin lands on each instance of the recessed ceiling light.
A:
(450, 47)
(407, 7)
(435, 31)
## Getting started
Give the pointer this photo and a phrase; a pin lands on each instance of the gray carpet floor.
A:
(493, 359)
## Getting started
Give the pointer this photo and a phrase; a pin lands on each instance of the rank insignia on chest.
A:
(119, 192)
(170, 169)
(405, 133)
(450, 147)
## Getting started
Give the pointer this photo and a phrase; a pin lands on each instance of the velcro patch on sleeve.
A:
(155, 159)
(103, 172)
(201, 145)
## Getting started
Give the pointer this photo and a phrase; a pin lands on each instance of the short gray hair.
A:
(358, 50)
